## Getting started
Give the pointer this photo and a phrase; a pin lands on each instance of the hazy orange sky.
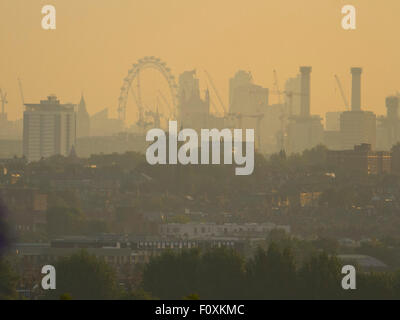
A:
(97, 41)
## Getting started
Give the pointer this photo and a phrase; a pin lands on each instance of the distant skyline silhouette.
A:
(96, 42)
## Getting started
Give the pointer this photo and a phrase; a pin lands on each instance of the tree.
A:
(8, 281)
(4, 230)
(84, 277)
(221, 275)
(320, 278)
(70, 221)
(214, 274)
(172, 275)
(271, 274)
(64, 221)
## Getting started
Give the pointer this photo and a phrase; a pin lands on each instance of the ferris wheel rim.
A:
(134, 72)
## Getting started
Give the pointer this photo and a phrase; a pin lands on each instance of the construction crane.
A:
(276, 86)
(216, 91)
(3, 97)
(290, 95)
(345, 101)
(258, 117)
(21, 93)
(214, 106)
(286, 112)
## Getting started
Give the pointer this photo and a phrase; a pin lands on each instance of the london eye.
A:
(131, 89)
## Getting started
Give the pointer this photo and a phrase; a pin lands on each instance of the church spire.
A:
(82, 103)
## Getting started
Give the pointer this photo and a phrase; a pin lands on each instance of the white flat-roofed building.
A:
(207, 230)
(49, 129)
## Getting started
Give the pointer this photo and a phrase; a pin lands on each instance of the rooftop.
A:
(51, 104)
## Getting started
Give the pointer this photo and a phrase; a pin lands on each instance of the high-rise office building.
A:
(332, 121)
(49, 129)
(193, 110)
(240, 79)
(245, 97)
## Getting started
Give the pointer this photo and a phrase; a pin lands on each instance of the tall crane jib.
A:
(3, 100)
(276, 86)
(216, 91)
(345, 100)
(21, 92)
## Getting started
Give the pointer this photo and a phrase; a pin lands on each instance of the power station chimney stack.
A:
(356, 89)
(392, 108)
(305, 91)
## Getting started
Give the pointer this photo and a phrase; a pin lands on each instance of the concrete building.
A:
(388, 129)
(49, 129)
(207, 230)
(333, 140)
(362, 159)
(332, 133)
(357, 126)
(117, 143)
(246, 98)
(193, 110)
(273, 128)
(102, 125)
(292, 98)
(332, 121)
(240, 79)
(365, 263)
(304, 131)
(248, 107)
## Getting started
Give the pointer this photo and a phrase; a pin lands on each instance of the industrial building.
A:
(293, 86)
(357, 126)
(49, 129)
(305, 131)
(332, 121)
(388, 128)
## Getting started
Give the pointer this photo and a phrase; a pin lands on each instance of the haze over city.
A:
(199, 150)
(95, 45)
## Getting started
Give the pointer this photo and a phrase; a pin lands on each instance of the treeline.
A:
(211, 274)
(270, 274)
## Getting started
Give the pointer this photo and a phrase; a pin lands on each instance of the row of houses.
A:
(205, 230)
